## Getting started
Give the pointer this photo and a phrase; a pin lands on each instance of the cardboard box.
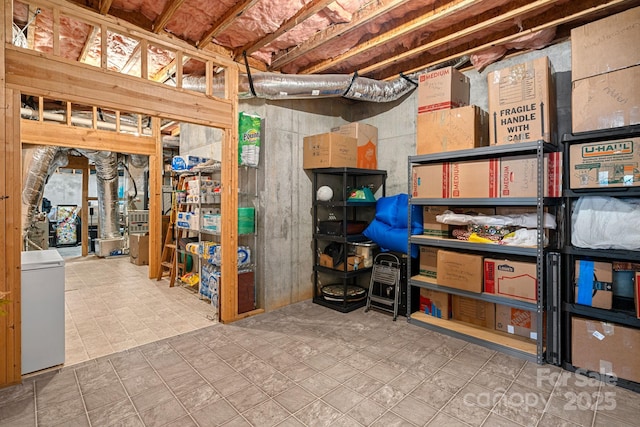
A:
(519, 176)
(428, 262)
(605, 164)
(436, 304)
(521, 103)
(517, 321)
(449, 130)
(473, 179)
(606, 348)
(594, 283)
(605, 45)
(431, 227)
(354, 262)
(473, 311)
(139, 249)
(431, 181)
(329, 150)
(442, 89)
(511, 279)
(367, 136)
(606, 101)
(459, 270)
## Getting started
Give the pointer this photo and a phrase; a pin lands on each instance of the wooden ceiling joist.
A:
(169, 10)
(574, 12)
(105, 5)
(508, 16)
(400, 31)
(302, 15)
(360, 18)
(88, 43)
(225, 22)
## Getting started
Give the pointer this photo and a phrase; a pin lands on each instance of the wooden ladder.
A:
(169, 262)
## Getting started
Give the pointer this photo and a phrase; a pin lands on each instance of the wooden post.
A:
(82, 163)
(229, 271)
(155, 202)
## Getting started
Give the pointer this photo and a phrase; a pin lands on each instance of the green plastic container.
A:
(246, 220)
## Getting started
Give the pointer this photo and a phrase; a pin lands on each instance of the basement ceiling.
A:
(378, 39)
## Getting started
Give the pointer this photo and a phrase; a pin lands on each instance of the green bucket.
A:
(246, 220)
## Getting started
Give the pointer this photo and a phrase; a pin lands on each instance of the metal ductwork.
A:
(275, 86)
(42, 162)
(106, 164)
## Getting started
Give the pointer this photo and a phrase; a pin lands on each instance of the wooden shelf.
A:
(496, 339)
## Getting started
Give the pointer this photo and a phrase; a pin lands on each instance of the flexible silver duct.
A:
(87, 121)
(138, 160)
(42, 161)
(106, 164)
(277, 86)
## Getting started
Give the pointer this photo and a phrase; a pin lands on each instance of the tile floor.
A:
(112, 305)
(306, 365)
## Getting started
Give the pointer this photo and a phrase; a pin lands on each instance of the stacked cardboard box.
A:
(522, 103)
(605, 164)
(449, 130)
(592, 342)
(330, 150)
(367, 136)
(446, 121)
(605, 62)
(442, 89)
(499, 177)
(594, 283)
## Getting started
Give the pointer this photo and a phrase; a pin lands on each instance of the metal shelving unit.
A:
(547, 261)
(623, 311)
(342, 181)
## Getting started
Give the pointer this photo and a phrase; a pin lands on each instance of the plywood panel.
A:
(57, 78)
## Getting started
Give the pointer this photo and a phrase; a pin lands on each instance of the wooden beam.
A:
(228, 311)
(225, 21)
(45, 133)
(88, 43)
(7, 332)
(56, 32)
(155, 200)
(307, 11)
(10, 210)
(105, 5)
(422, 21)
(57, 78)
(368, 13)
(131, 28)
(575, 11)
(511, 15)
(170, 9)
(132, 60)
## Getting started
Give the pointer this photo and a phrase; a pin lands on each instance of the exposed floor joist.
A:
(387, 37)
(302, 15)
(169, 10)
(225, 21)
(362, 17)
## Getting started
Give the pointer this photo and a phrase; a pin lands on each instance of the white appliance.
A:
(42, 310)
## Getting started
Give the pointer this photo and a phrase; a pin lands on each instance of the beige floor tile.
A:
(112, 305)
